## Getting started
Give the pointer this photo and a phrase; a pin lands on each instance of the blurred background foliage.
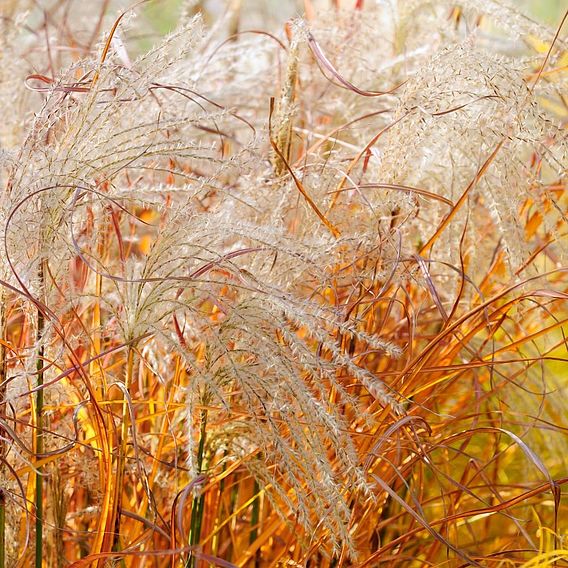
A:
(164, 13)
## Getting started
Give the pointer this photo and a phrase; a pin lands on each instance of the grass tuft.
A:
(282, 294)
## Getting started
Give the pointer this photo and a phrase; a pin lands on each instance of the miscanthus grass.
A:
(282, 296)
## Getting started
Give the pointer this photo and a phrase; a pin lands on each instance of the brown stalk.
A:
(332, 229)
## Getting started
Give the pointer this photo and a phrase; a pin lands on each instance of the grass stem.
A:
(2, 529)
(38, 435)
(121, 446)
(2, 443)
(197, 508)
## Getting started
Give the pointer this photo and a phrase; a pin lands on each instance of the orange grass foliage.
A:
(274, 334)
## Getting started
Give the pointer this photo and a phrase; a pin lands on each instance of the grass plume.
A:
(289, 295)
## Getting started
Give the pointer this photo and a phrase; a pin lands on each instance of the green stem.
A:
(215, 539)
(198, 502)
(254, 521)
(255, 513)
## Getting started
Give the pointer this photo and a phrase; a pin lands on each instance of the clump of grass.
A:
(283, 297)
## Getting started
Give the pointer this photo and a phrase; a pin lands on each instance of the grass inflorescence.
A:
(282, 295)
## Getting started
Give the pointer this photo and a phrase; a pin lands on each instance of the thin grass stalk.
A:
(38, 433)
(2, 528)
(95, 366)
(121, 445)
(197, 508)
(2, 415)
(232, 515)
(255, 513)
(103, 540)
(218, 517)
(255, 521)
